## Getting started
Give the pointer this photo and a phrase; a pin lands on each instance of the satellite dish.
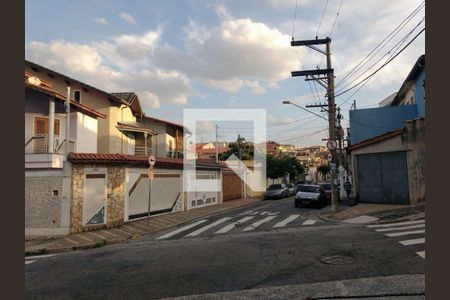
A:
(34, 80)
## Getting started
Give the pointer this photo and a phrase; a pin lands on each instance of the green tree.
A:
(275, 167)
(240, 148)
(324, 170)
(293, 167)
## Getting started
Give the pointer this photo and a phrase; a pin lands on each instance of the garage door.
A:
(383, 178)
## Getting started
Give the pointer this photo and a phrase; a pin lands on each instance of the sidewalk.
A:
(378, 211)
(129, 230)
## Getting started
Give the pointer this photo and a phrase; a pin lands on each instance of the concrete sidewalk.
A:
(129, 230)
(380, 211)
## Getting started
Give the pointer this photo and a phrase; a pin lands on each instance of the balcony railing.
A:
(141, 150)
(39, 144)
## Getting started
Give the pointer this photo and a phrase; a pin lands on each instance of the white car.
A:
(310, 194)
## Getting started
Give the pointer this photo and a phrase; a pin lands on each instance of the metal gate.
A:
(95, 193)
(383, 178)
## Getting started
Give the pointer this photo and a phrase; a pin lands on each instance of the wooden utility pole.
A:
(328, 83)
(217, 146)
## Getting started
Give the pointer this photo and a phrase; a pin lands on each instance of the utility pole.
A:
(217, 146)
(325, 77)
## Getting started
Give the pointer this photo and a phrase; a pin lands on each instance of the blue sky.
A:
(230, 54)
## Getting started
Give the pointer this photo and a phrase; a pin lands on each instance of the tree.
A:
(293, 167)
(240, 148)
(275, 167)
(281, 166)
(324, 170)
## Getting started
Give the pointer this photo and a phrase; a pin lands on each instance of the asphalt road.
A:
(231, 260)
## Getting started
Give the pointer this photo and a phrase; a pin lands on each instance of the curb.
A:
(41, 251)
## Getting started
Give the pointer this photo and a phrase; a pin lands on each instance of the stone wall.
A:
(116, 196)
(43, 201)
(115, 201)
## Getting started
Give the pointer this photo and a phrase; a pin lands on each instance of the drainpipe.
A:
(51, 125)
(67, 119)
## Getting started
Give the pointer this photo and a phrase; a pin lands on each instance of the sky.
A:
(179, 54)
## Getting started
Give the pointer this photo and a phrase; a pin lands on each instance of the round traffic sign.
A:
(331, 144)
(151, 160)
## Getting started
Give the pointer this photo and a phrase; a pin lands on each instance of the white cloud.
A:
(235, 51)
(101, 21)
(85, 63)
(271, 120)
(255, 87)
(127, 18)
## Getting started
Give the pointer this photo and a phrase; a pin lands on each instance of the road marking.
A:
(286, 221)
(412, 242)
(71, 241)
(309, 222)
(401, 228)
(232, 225)
(264, 213)
(273, 213)
(396, 224)
(39, 256)
(204, 228)
(168, 235)
(27, 262)
(404, 233)
(256, 224)
(421, 254)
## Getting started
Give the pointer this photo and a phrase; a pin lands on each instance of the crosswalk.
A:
(31, 259)
(249, 220)
(404, 230)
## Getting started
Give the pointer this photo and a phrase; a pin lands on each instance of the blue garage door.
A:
(383, 178)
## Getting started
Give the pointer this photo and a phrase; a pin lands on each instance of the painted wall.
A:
(84, 129)
(368, 123)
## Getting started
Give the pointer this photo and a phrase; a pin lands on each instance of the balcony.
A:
(141, 150)
(37, 154)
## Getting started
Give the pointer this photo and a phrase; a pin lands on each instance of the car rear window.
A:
(310, 189)
(274, 187)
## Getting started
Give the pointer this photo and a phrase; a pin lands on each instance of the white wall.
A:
(86, 133)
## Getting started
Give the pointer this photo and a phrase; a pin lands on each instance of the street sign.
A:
(330, 157)
(151, 160)
(331, 144)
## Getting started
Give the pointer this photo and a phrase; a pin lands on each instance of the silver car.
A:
(276, 191)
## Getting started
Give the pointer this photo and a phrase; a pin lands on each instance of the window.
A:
(77, 96)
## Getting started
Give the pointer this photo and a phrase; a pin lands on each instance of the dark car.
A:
(305, 182)
(309, 194)
(327, 187)
(292, 189)
(276, 191)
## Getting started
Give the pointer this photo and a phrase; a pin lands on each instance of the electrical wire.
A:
(394, 32)
(321, 19)
(382, 66)
(295, 17)
(335, 19)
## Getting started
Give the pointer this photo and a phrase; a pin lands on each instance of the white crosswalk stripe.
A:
(204, 228)
(286, 221)
(421, 254)
(400, 228)
(413, 242)
(405, 233)
(232, 225)
(27, 262)
(396, 224)
(256, 224)
(168, 235)
(309, 222)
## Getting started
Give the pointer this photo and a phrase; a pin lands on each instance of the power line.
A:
(394, 32)
(393, 53)
(382, 66)
(321, 19)
(335, 19)
(295, 17)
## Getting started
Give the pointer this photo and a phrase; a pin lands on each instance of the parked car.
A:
(277, 191)
(310, 194)
(305, 182)
(292, 189)
(327, 187)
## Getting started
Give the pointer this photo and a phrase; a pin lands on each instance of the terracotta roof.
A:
(211, 151)
(377, 139)
(49, 91)
(162, 121)
(137, 159)
(111, 97)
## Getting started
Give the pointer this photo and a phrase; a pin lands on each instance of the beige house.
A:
(118, 131)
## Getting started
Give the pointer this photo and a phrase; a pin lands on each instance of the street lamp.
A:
(292, 103)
